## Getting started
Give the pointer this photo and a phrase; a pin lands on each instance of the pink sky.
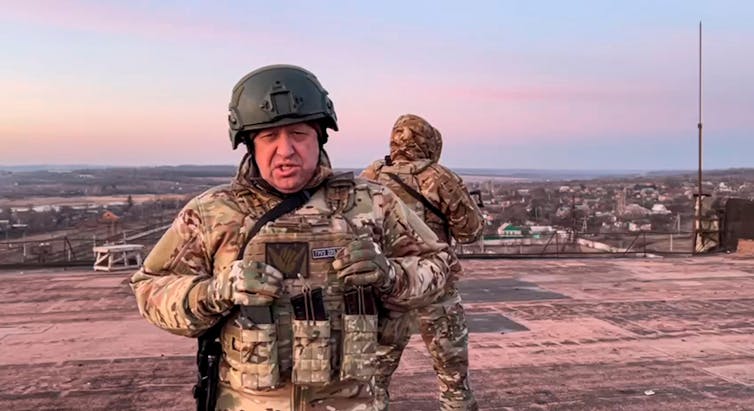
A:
(147, 84)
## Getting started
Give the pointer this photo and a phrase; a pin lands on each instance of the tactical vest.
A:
(302, 245)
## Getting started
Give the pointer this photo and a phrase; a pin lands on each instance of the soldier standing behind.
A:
(438, 196)
(276, 271)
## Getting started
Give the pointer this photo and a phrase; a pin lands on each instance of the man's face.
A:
(287, 156)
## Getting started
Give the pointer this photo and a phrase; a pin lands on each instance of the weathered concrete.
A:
(571, 334)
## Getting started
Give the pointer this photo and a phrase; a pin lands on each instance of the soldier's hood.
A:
(413, 138)
(248, 177)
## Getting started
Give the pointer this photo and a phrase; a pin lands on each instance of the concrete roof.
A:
(568, 334)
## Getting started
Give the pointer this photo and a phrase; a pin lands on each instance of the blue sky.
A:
(510, 84)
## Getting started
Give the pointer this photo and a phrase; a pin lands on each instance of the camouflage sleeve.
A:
(372, 172)
(464, 217)
(170, 288)
(422, 263)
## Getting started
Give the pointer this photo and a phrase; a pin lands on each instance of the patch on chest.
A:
(290, 258)
(323, 253)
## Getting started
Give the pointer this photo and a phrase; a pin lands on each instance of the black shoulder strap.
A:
(427, 204)
(289, 204)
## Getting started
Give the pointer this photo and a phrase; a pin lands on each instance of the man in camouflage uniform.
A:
(415, 148)
(349, 235)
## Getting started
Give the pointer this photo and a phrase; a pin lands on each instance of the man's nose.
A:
(285, 145)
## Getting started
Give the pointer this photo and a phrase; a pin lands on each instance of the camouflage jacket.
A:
(207, 235)
(415, 148)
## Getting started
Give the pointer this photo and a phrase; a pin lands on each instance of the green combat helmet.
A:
(278, 95)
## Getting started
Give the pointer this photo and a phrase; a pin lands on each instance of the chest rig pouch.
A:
(314, 340)
(360, 320)
(358, 352)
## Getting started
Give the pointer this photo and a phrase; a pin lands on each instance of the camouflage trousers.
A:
(443, 328)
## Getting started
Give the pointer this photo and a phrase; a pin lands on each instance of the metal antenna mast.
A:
(698, 232)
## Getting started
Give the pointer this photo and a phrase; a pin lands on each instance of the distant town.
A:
(525, 211)
(605, 205)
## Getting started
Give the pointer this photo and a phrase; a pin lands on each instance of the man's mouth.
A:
(286, 169)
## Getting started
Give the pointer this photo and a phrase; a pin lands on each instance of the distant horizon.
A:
(76, 166)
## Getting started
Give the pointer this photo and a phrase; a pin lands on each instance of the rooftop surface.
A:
(555, 334)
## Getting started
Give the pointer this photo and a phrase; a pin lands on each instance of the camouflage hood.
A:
(413, 138)
(248, 178)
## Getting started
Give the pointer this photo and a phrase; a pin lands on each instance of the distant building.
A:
(46, 208)
(584, 208)
(109, 217)
(635, 210)
(563, 211)
(111, 220)
(645, 186)
(541, 229)
(488, 219)
(90, 207)
(723, 188)
(634, 227)
(510, 231)
(660, 209)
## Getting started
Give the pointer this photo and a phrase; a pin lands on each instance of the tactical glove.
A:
(245, 283)
(362, 263)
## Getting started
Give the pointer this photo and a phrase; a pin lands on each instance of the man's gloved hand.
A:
(245, 283)
(362, 263)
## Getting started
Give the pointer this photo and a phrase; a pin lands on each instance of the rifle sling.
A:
(425, 202)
